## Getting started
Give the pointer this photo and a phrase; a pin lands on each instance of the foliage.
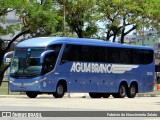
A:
(38, 17)
(80, 16)
(154, 15)
(119, 14)
(35, 18)
(46, 17)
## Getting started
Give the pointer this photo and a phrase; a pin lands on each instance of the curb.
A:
(155, 93)
(80, 95)
(146, 95)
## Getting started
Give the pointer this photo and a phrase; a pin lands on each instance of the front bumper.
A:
(25, 87)
(22, 86)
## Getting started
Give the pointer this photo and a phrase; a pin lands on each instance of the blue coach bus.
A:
(56, 65)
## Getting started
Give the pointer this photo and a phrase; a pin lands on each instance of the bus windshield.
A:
(26, 63)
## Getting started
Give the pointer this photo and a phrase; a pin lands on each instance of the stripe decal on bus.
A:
(101, 68)
(116, 68)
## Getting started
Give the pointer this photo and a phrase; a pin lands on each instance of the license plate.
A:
(22, 88)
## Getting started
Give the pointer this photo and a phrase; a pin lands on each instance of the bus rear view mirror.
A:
(6, 55)
(44, 54)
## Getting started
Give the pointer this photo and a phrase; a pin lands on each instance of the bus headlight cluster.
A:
(37, 81)
(10, 81)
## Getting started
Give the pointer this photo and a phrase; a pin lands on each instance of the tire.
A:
(106, 95)
(60, 90)
(95, 95)
(32, 94)
(115, 95)
(132, 91)
(122, 92)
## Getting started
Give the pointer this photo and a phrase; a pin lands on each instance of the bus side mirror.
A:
(44, 54)
(6, 55)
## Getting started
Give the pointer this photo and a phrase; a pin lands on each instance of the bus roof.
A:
(45, 41)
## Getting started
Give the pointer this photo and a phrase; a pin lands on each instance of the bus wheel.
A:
(115, 95)
(121, 92)
(132, 91)
(60, 90)
(32, 94)
(95, 95)
(106, 95)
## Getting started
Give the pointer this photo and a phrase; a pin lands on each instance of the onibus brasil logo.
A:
(101, 68)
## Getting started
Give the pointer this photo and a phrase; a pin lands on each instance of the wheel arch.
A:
(64, 82)
(136, 84)
(124, 82)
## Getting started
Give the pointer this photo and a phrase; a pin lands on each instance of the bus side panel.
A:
(143, 75)
(87, 82)
(49, 85)
(72, 80)
(148, 78)
(107, 83)
(78, 81)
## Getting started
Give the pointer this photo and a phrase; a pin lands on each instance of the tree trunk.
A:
(2, 73)
(108, 35)
(79, 33)
(114, 37)
(1, 57)
(2, 70)
(122, 36)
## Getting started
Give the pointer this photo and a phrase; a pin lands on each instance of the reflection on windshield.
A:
(26, 62)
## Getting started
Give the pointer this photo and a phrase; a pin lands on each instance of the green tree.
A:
(154, 15)
(80, 16)
(119, 14)
(36, 18)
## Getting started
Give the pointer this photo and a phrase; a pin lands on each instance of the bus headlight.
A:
(10, 81)
(36, 81)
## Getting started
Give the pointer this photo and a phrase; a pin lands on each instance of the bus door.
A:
(47, 71)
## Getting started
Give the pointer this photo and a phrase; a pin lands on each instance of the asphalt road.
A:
(77, 103)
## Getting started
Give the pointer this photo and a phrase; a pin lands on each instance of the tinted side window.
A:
(142, 56)
(114, 55)
(49, 63)
(70, 54)
(126, 56)
(56, 48)
(138, 56)
(77, 53)
(84, 53)
(99, 54)
(148, 56)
